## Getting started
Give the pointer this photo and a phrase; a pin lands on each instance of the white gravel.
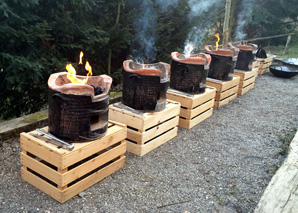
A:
(220, 165)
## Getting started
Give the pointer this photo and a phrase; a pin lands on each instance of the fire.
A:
(88, 68)
(71, 75)
(81, 57)
(218, 39)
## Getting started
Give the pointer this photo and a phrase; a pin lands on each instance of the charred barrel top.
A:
(246, 56)
(78, 112)
(223, 62)
(189, 74)
(145, 85)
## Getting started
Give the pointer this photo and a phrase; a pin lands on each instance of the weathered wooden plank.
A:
(281, 194)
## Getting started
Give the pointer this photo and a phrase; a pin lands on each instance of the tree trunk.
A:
(232, 19)
(226, 24)
(110, 50)
(109, 62)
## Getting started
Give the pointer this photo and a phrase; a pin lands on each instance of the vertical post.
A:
(109, 62)
(226, 24)
(287, 44)
(110, 50)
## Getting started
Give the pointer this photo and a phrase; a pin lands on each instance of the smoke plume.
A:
(243, 17)
(165, 4)
(143, 43)
(197, 8)
(196, 34)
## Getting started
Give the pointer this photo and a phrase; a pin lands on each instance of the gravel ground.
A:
(220, 165)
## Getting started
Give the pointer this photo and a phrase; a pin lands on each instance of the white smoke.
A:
(243, 16)
(165, 4)
(198, 7)
(194, 38)
(196, 34)
(143, 44)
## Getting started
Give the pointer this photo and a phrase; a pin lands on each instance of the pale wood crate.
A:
(194, 108)
(147, 130)
(226, 91)
(247, 80)
(264, 65)
(62, 174)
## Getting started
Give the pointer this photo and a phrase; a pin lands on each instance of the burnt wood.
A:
(188, 77)
(77, 118)
(221, 67)
(244, 60)
(143, 92)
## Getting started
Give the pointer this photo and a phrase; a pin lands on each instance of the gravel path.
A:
(220, 165)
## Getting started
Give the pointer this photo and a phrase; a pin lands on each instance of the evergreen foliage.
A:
(38, 37)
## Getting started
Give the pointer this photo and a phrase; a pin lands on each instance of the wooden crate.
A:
(147, 131)
(247, 80)
(264, 65)
(62, 174)
(256, 64)
(194, 108)
(226, 91)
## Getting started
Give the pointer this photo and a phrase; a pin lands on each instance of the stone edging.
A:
(12, 128)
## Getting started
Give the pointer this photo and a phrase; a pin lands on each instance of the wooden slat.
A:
(110, 131)
(114, 135)
(141, 138)
(227, 93)
(255, 64)
(209, 94)
(75, 189)
(244, 75)
(94, 163)
(41, 169)
(141, 150)
(33, 145)
(221, 86)
(216, 84)
(266, 65)
(187, 124)
(42, 185)
(151, 119)
(143, 121)
(246, 89)
(92, 179)
(190, 113)
(247, 82)
(135, 135)
(225, 101)
(228, 84)
(192, 101)
(125, 116)
(185, 101)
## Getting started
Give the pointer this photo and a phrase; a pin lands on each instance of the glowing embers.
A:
(188, 74)
(145, 85)
(78, 112)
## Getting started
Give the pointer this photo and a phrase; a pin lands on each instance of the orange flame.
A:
(88, 68)
(71, 75)
(81, 57)
(218, 39)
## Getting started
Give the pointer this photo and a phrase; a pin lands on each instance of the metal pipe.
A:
(64, 144)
